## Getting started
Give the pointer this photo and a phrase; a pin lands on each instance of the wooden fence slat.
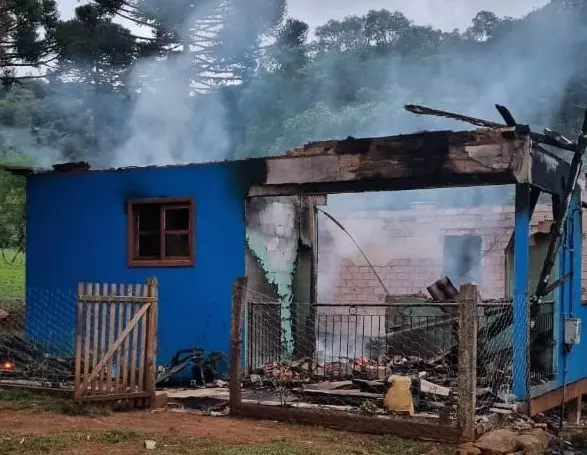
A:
(87, 333)
(119, 298)
(98, 341)
(119, 351)
(96, 336)
(118, 343)
(152, 340)
(125, 371)
(104, 306)
(143, 352)
(112, 310)
(134, 344)
(79, 327)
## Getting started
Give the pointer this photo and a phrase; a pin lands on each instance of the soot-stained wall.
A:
(77, 232)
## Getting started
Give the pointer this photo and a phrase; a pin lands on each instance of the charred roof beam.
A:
(559, 225)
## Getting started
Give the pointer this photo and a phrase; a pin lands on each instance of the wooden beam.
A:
(66, 393)
(413, 161)
(467, 347)
(549, 172)
(412, 156)
(379, 184)
(575, 408)
(554, 398)
(238, 302)
(412, 427)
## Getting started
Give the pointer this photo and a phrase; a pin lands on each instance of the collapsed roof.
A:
(491, 155)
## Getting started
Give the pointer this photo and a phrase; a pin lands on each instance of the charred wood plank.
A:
(422, 429)
(508, 118)
(370, 386)
(420, 155)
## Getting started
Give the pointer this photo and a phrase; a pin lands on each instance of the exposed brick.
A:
(394, 234)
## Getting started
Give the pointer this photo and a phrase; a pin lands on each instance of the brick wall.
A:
(406, 249)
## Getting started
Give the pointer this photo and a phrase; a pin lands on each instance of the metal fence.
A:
(394, 367)
(342, 340)
(441, 368)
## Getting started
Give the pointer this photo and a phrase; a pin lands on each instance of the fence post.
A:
(467, 339)
(238, 297)
(152, 315)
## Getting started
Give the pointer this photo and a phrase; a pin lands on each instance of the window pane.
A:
(148, 217)
(177, 219)
(149, 246)
(177, 245)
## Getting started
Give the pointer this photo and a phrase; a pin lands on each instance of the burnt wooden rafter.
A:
(494, 154)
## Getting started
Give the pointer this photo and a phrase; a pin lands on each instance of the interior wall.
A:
(406, 248)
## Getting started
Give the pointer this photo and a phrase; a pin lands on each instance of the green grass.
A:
(12, 266)
(176, 444)
(17, 443)
(19, 399)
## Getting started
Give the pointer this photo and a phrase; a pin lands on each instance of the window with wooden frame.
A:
(161, 232)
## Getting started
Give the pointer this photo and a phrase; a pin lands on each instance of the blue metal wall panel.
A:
(573, 307)
(521, 275)
(77, 231)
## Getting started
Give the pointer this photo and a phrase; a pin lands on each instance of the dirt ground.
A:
(32, 431)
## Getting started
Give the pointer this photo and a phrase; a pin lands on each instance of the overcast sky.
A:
(444, 14)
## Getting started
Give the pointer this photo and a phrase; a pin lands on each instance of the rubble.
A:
(33, 361)
(433, 387)
(504, 442)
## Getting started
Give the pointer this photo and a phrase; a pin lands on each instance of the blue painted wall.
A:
(572, 362)
(570, 365)
(521, 275)
(77, 231)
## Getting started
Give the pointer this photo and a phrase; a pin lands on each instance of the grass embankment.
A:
(12, 271)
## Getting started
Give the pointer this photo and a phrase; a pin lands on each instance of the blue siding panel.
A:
(77, 231)
(521, 275)
(575, 360)
(571, 366)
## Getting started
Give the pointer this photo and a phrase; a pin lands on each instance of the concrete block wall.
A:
(406, 249)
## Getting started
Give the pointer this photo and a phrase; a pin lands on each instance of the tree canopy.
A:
(213, 79)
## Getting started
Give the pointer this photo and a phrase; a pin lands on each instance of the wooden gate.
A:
(116, 341)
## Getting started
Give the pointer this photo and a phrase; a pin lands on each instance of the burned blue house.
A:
(183, 225)
(199, 227)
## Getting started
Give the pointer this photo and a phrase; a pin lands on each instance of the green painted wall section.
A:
(281, 276)
(272, 235)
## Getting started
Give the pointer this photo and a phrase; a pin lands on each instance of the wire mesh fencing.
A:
(452, 365)
(345, 357)
(37, 339)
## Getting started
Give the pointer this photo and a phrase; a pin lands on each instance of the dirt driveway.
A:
(33, 431)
